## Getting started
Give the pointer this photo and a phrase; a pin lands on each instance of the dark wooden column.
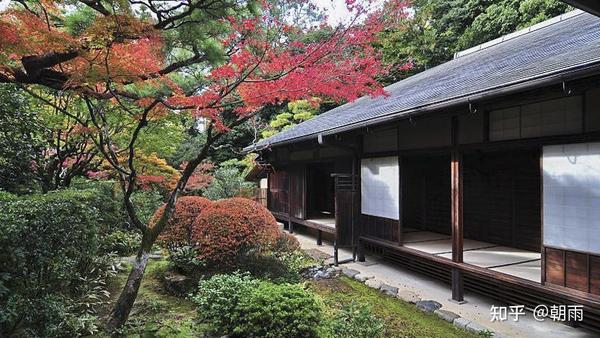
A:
(457, 224)
(400, 190)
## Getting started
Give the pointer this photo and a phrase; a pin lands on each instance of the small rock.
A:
(177, 284)
(408, 296)
(428, 305)
(330, 271)
(373, 283)
(476, 328)
(461, 322)
(448, 316)
(155, 256)
(350, 272)
(336, 268)
(362, 277)
(389, 290)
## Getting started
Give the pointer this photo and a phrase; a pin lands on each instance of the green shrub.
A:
(218, 297)
(52, 277)
(241, 306)
(355, 320)
(277, 310)
(227, 182)
(183, 259)
(121, 242)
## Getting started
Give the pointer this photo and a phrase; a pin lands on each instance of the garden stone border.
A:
(429, 306)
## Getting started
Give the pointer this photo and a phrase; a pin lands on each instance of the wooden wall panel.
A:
(555, 266)
(278, 191)
(346, 206)
(297, 193)
(595, 275)
(574, 270)
(378, 227)
(576, 273)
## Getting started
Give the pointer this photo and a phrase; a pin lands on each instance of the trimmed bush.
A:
(241, 306)
(277, 310)
(179, 228)
(285, 243)
(217, 299)
(355, 320)
(51, 276)
(231, 227)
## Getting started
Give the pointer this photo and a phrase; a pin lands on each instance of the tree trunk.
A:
(123, 306)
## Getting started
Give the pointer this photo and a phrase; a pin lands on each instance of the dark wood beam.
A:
(586, 5)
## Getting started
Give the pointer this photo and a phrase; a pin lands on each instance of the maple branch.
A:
(96, 5)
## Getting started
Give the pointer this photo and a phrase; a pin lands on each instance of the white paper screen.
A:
(572, 196)
(380, 187)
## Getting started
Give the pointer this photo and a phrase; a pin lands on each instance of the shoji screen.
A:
(572, 196)
(380, 187)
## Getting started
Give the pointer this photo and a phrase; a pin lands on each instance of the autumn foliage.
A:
(179, 228)
(230, 226)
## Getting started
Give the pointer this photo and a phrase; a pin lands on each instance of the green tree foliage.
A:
(228, 182)
(296, 112)
(52, 276)
(438, 29)
(20, 140)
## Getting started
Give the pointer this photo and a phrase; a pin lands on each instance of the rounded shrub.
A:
(230, 227)
(285, 243)
(178, 231)
(277, 310)
(241, 306)
(217, 299)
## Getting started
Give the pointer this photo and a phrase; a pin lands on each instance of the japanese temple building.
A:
(483, 171)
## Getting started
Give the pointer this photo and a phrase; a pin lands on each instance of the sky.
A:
(336, 10)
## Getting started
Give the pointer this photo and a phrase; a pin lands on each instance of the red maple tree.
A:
(148, 58)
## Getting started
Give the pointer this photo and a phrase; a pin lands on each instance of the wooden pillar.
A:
(400, 204)
(319, 237)
(361, 251)
(457, 224)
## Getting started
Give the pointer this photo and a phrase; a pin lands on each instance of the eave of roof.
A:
(561, 49)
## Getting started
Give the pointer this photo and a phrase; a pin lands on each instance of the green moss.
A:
(401, 319)
(156, 313)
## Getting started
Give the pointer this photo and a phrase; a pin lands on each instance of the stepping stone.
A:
(461, 322)
(448, 316)
(362, 278)
(367, 263)
(318, 254)
(350, 272)
(373, 283)
(428, 305)
(389, 290)
(408, 296)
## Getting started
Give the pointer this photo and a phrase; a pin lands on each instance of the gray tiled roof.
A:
(558, 46)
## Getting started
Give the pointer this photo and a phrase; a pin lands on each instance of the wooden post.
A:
(361, 251)
(319, 237)
(457, 224)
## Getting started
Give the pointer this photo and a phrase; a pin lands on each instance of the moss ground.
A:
(155, 312)
(401, 319)
(158, 314)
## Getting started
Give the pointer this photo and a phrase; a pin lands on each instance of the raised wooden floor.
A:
(516, 262)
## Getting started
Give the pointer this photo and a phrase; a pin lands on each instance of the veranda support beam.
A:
(457, 224)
